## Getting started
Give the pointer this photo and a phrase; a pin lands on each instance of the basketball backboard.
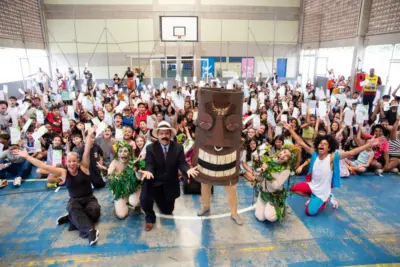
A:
(171, 27)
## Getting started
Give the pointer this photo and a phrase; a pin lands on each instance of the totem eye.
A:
(205, 121)
(232, 122)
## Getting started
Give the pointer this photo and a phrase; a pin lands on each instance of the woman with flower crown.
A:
(270, 179)
(123, 180)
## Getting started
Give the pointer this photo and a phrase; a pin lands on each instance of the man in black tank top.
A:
(83, 208)
(129, 74)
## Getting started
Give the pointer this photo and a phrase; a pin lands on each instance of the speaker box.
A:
(360, 77)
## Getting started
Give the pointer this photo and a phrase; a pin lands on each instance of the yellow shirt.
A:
(371, 85)
(308, 132)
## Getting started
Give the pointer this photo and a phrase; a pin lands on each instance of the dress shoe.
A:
(149, 226)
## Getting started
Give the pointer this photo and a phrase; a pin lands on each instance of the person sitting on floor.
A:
(83, 207)
(55, 157)
(96, 157)
(13, 167)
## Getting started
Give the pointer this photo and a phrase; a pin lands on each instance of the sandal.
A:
(3, 183)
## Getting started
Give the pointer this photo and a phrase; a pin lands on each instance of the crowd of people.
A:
(93, 131)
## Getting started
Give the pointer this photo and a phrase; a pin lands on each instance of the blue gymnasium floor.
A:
(364, 230)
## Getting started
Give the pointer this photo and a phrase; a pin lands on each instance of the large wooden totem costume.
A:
(218, 136)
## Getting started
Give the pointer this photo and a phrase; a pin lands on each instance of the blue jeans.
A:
(140, 87)
(15, 170)
(369, 100)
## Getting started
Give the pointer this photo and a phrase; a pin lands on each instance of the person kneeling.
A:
(124, 183)
(83, 207)
(324, 170)
(272, 196)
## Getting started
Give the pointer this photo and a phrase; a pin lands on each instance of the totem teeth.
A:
(217, 160)
(217, 173)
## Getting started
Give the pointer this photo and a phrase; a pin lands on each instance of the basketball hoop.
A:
(180, 39)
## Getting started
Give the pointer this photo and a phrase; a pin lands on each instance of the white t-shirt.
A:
(251, 162)
(322, 178)
(12, 111)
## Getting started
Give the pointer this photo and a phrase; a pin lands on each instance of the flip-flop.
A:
(203, 212)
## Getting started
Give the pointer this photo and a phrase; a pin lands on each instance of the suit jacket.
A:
(165, 172)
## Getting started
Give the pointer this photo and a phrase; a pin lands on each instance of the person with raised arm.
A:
(324, 170)
(83, 207)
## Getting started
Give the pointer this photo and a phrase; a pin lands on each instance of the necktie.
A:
(165, 153)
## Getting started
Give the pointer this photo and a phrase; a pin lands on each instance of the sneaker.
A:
(3, 183)
(63, 219)
(51, 185)
(236, 218)
(17, 181)
(93, 237)
(333, 201)
(379, 172)
(395, 170)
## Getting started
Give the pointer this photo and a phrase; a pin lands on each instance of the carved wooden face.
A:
(218, 134)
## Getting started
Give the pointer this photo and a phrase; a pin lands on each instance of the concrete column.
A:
(158, 49)
(197, 46)
(300, 37)
(359, 48)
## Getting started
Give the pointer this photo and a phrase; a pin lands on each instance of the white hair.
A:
(72, 153)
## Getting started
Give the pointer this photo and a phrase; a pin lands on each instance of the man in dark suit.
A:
(160, 177)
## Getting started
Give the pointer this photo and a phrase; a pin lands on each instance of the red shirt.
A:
(56, 125)
(141, 117)
(379, 150)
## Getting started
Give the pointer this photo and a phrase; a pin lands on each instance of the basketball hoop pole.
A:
(178, 56)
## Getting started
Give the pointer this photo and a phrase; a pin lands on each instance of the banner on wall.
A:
(207, 69)
(247, 67)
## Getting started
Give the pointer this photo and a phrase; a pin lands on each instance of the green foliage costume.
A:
(276, 198)
(126, 183)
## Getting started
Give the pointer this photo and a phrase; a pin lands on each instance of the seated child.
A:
(362, 162)
(54, 155)
(13, 166)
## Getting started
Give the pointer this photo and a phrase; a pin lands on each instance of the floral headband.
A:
(121, 144)
(294, 150)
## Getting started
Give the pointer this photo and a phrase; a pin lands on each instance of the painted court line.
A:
(30, 180)
(216, 216)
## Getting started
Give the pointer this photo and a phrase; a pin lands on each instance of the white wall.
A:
(237, 31)
(176, 2)
(283, 3)
(286, 3)
(99, 2)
